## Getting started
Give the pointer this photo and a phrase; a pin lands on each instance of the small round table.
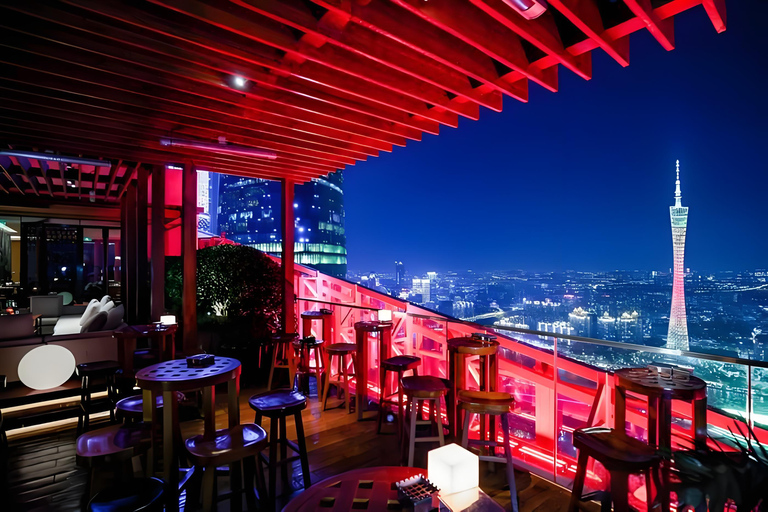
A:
(172, 376)
(362, 329)
(326, 319)
(160, 334)
(660, 392)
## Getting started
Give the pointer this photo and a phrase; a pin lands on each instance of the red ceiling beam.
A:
(716, 12)
(585, 15)
(662, 30)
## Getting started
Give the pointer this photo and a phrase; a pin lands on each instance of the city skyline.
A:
(554, 185)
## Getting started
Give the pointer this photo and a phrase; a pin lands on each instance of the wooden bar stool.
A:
(131, 409)
(340, 351)
(303, 350)
(89, 373)
(325, 316)
(420, 390)
(398, 365)
(240, 443)
(459, 349)
(277, 406)
(620, 455)
(489, 405)
(282, 356)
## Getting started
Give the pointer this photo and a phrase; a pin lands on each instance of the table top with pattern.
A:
(371, 489)
(649, 383)
(175, 375)
(373, 326)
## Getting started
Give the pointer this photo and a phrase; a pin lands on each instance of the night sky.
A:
(583, 178)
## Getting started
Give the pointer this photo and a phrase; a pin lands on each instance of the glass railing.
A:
(556, 380)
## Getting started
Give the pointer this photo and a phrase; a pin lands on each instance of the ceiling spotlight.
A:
(239, 82)
(528, 9)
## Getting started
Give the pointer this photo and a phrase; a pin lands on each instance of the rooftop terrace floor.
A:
(41, 472)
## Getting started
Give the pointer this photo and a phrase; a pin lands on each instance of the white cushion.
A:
(114, 318)
(104, 300)
(93, 308)
(69, 324)
(106, 308)
(96, 322)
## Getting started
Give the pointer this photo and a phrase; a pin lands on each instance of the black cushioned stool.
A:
(139, 495)
(277, 406)
(89, 372)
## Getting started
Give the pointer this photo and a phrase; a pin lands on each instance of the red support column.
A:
(189, 257)
(142, 265)
(288, 316)
(158, 242)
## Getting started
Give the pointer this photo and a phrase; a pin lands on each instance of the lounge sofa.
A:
(90, 341)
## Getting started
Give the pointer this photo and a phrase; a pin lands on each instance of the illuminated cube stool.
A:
(453, 469)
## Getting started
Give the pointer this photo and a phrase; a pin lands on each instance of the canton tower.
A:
(677, 336)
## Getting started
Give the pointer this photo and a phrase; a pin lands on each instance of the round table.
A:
(660, 392)
(369, 489)
(362, 329)
(167, 378)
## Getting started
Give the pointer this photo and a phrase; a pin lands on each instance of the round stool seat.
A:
(114, 442)
(97, 368)
(401, 363)
(486, 402)
(614, 450)
(133, 406)
(284, 336)
(424, 386)
(473, 346)
(304, 343)
(340, 349)
(278, 403)
(137, 495)
(228, 445)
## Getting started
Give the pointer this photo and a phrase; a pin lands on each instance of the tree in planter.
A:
(238, 291)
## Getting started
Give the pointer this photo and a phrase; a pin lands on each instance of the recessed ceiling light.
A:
(239, 82)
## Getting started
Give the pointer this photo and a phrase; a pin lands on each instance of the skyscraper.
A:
(249, 213)
(677, 335)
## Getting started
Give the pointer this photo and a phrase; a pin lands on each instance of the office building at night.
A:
(249, 214)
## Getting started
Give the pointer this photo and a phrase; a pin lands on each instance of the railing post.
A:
(749, 397)
(556, 415)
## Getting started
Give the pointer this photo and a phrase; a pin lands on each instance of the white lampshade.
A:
(453, 469)
(463, 500)
(46, 367)
(385, 315)
(168, 319)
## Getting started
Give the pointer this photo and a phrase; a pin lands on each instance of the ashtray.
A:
(200, 361)
(417, 493)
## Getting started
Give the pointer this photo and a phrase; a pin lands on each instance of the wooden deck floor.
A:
(40, 472)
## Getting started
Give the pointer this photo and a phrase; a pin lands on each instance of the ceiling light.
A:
(528, 9)
(4, 227)
(239, 82)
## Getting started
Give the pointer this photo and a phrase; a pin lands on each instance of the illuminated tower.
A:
(677, 336)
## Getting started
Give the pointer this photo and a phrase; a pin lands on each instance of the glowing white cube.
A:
(453, 469)
(385, 315)
(168, 319)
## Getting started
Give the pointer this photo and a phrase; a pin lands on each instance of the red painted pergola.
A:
(322, 84)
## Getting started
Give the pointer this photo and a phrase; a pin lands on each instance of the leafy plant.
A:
(718, 476)
(236, 284)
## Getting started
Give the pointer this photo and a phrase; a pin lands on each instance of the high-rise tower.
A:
(677, 336)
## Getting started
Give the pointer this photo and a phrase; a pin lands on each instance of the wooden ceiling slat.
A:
(112, 109)
(11, 179)
(112, 174)
(662, 30)
(31, 179)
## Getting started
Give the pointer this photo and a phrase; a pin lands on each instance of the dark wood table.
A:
(362, 329)
(660, 392)
(326, 318)
(369, 489)
(161, 335)
(169, 377)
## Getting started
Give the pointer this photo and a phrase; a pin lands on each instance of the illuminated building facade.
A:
(249, 214)
(584, 322)
(677, 335)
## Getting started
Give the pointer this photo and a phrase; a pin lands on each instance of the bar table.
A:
(162, 336)
(362, 330)
(167, 378)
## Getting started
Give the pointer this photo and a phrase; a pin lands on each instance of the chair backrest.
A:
(46, 305)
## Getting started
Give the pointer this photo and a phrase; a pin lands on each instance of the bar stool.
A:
(282, 356)
(459, 349)
(88, 372)
(277, 406)
(399, 365)
(420, 390)
(488, 405)
(131, 409)
(303, 350)
(138, 495)
(325, 316)
(343, 377)
(620, 455)
(240, 443)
